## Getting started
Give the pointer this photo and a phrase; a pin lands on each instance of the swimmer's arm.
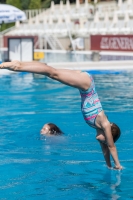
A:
(112, 148)
(106, 153)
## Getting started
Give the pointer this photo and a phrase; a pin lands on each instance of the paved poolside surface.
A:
(103, 65)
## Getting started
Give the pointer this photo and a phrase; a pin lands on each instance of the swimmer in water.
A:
(90, 104)
(51, 130)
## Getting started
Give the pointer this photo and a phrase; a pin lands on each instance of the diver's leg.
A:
(72, 78)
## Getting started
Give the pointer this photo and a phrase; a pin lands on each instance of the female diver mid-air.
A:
(90, 104)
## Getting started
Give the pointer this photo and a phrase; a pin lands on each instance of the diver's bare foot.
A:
(14, 65)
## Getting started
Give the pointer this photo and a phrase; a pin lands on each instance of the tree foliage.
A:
(3, 1)
(15, 3)
(47, 3)
(5, 26)
(25, 4)
(35, 4)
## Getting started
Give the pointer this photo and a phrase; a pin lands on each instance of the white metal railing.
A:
(53, 42)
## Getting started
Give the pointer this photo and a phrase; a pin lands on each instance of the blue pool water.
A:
(69, 167)
(82, 57)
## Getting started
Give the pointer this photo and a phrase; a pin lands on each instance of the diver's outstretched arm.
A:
(106, 153)
(74, 78)
(112, 148)
(105, 125)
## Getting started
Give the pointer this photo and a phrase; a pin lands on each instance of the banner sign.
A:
(112, 42)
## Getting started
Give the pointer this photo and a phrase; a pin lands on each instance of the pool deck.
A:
(102, 65)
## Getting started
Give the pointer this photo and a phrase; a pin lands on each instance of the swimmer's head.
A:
(50, 129)
(115, 130)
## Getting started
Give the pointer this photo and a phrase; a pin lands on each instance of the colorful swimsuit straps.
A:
(90, 104)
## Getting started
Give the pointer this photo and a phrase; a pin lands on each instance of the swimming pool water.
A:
(68, 167)
(82, 57)
(76, 56)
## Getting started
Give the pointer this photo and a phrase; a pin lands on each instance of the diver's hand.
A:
(10, 65)
(118, 167)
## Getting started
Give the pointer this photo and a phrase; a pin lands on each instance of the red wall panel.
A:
(112, 42)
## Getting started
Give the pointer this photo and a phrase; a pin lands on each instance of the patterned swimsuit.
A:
(90, 104)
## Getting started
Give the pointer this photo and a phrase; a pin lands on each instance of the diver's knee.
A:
(53, 73)
(97, 138)
(100, 138)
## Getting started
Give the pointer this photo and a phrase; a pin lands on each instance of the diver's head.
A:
(50, 129)
(115, 130)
